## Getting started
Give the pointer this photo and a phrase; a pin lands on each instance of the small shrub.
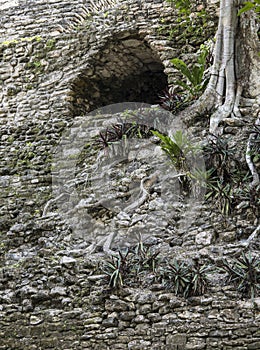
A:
(171, 101)
(244, 272)
(195, 83)
(117, 268)
(186, 279)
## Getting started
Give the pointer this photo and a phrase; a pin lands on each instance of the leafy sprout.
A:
(195, 83)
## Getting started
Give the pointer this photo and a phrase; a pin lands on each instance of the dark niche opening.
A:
(125, 70)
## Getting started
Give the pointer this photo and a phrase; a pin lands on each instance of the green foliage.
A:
(17, 41)
(144, 259)
(180, 152)
(220, 157)
(186, 279)
(131, 267)
(228, 183)
(177, 148)
(178, 275)
(244, 272)
(199, 279)
(221, 194)
(250, 5)
(184, 6)
(50, 44)
(116, 268)
(195, 83)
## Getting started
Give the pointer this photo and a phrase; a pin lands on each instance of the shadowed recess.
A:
(125, 70)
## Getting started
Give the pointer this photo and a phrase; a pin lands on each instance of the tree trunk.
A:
(235, 64)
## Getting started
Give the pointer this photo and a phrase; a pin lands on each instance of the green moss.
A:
(13, 42)
(50, 44)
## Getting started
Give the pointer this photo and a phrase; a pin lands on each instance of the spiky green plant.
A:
(177, 276)
(117, 269)
(244, 272)
(221, 194)
(177, 148)
(171, 101)
(199, 278)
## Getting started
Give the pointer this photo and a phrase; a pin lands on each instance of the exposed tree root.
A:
(145, 186)
(50, 202)
(250, 164)
(223, 92)
(252, 237)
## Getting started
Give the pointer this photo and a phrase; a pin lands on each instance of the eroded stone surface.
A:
(59, 60)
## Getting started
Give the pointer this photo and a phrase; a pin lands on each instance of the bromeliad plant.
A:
(178, 148)
(244, 272)
(221, 194)
(130, 267)
(186, 279)
(171, 101)
(177, 276)
(117, 268)
(220, 157)
(119, 131)
(199, 279)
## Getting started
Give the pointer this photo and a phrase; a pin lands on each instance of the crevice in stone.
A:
(126, 70)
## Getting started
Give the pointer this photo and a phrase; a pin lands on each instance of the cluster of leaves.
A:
(123, 130)
(171, 101)
(177, 148)
(196, 82)
(250, 5)
(184, 6)
(227, 182)
(191, 87)
(180, 151)
(244, 273)
(130, 266)
(185, 278)
(218, 157)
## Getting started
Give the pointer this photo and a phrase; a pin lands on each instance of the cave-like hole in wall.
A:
(124, 71)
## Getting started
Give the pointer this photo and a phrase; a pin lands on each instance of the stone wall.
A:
(60, 60)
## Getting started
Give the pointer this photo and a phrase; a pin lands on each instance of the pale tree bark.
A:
(234, 79)
(235, 57)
